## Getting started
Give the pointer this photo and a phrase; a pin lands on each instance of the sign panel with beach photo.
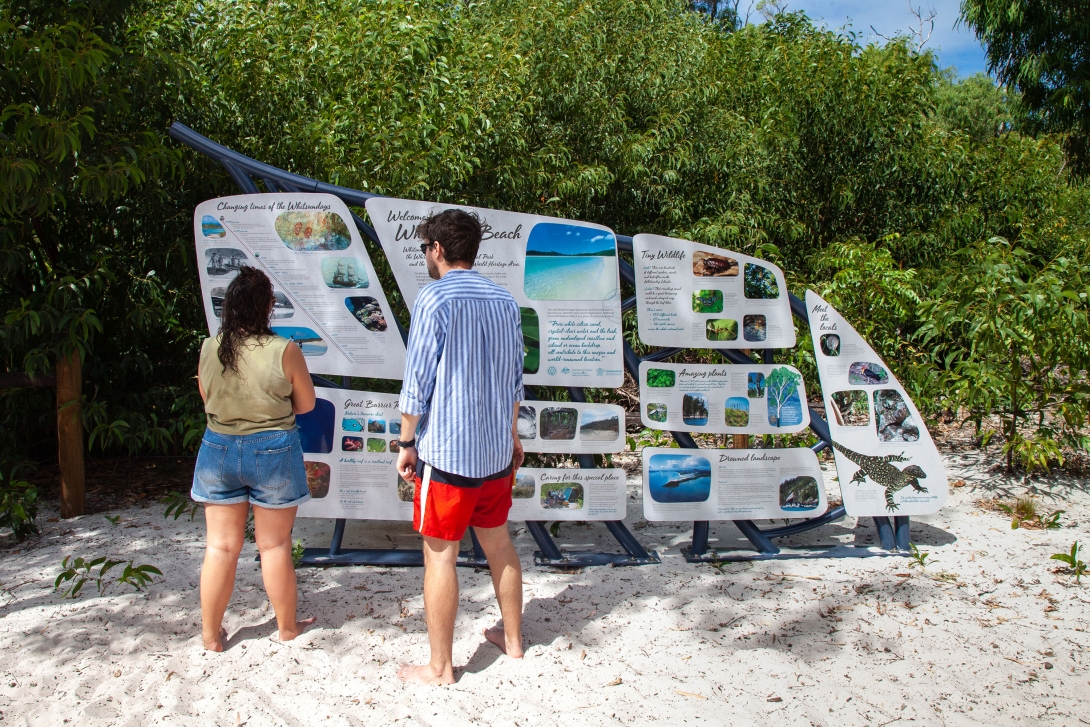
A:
(723, 398)
(569, 494)
(886, 460)
(328, 298)
(568, 427)
(350, 456)
(698, 296)
(562, 273)
(731, 484)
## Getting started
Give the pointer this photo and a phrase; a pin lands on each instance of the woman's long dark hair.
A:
(247, 306)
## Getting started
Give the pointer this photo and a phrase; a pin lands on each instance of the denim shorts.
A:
(264, 469)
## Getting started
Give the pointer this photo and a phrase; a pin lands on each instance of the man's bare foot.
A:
(497, 636)
(300, 627)
(425, 674)
(215, 643)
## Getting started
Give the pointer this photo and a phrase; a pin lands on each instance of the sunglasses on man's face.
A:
(424, 247)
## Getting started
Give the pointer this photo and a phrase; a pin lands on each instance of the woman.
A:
(253, 384)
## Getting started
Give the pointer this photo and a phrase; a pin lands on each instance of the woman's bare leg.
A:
(226, 525)
(272, 529)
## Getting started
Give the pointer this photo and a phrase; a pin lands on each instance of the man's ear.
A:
(440, 253)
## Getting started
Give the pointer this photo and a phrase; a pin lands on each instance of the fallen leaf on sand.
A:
(170, 675)
(774, 699)
(117, 673)
(958, 483)
(615, 682)
(686, 658)
(582, 654)
(689, 694)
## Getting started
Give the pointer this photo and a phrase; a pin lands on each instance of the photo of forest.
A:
(799, 494)
(850, 408)
(760, 283)
(558, 423)
(531, 340)
(736, 412)
(893, 418)
(866, 373)
(306, 231)
(754, 327)
(707, 301)
(527, 423)
(525, 486)
(656, 412)
(318, 474)
(661, 378)
(756, 385)
(721, 329)
(694, 409)
(708, 265)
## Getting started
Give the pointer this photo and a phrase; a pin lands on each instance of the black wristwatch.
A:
(406, 445)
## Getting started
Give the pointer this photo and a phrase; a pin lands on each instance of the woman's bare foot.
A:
(425, 674)
(498, 636)
(300, 627)
(216, 642)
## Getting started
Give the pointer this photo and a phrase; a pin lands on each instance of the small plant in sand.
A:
(1074, 566)
(19, 507)
(114, 519)
(178, 505)
(248, 533)
(918, 557)
(1024, 514)
(78, 572)
(297, 550)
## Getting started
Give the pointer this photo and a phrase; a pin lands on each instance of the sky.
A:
(956, 47)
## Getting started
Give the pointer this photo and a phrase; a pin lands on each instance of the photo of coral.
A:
(656, 412)
(527, 423)
(558, 423)
(708, 265)
(799, 494)
(760, 283)
(866, 373)
(721, 329)
(303, 231)
(694, 410)
(850, 408)
(317, 479)
(351, 444)
(394, 449)
(599, 425)
(524, 487)
(344, 272)
(404, 490)
(562, 496)
(736, 412)
(376, 426)
(570, 262)
(679, 478)
(707, 301)
(367, 311)
(892, 417)
(754, 327)
(660, 378)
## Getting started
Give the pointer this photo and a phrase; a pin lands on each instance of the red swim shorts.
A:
(442, 510)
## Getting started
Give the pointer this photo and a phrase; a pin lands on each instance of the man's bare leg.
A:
(440, 608)
(503, 561)
(225, 525)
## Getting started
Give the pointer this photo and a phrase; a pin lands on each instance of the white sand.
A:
(999, 640)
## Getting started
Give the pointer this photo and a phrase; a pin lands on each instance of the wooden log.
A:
(70, 435)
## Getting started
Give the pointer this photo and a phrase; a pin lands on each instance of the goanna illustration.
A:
(884, 474)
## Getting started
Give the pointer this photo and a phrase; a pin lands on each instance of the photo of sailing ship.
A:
(799, 494)
(308, 341)
(210, 227)
(600, 425)
(344, 272)
(709, 265)
(570, 262)
(304, 231)
(679, 478)
(223, 260)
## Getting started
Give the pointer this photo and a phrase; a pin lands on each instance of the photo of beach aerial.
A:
(317, 479)
(562, 496)
(316, 427)
(210, 227)
(223, 260)
(303, 231)
(531, 340)
(570, 262)
(694, 410)
(308, 341)
(524, 487)
(599, 425)
(709, 265)
(736, 411)
(344, 272)
(558, 423)
(679, 478)
(656, 412)
(799, 494)
(850, 408)
(867, 374)
(527, 423)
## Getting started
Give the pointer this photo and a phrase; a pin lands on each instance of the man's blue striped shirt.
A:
(463, 373)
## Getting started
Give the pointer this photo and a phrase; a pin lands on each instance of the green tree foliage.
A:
(782, 383)
(1042, 48)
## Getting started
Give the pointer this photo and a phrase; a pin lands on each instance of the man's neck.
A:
(444, 268)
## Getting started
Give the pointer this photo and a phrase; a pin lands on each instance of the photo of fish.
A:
(656, 412)
(210, 227)
(308, 341)
(721, 329)
(221, 261)
(799, 494)
(524, 488)
(351, 444)
(760, 283)
(393, 427)
(736, 412)
(531, 341)
(303, 231)
(892, 417)
(376, 426)
(599, 425)
(367, 311)
(316, 427)
(570, 262)
(694, 410)
(317, 479)
(707, 301)
(679, 478)
(754, 327)
(344, 272)
(850, 408)
(558, 423)
(867, 373)
(708, 265)
(527, 423)
(562, 496)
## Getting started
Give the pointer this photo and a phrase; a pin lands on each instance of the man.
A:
(462, 387)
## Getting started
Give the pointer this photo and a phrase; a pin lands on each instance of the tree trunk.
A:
(741, 441)
(70, 435)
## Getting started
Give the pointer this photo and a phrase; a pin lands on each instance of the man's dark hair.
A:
(458, 231)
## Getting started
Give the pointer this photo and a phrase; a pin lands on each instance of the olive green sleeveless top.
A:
(257, 398)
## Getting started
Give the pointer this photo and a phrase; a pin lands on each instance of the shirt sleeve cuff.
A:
(408, 404)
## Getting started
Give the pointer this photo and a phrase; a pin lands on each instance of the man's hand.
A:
(406, 463)
(518, 455)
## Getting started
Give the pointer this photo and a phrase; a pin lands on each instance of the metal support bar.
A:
(801, 527)
(901, 531)
(338, 537)
(885, 532)
(549, 549)
(753, 533)
(700, 538)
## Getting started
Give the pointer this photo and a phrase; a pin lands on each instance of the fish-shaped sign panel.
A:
(886, 461)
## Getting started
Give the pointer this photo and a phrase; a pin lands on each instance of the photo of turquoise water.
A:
(308, 341)
(570, 262)
(679, 478)
(211, 228)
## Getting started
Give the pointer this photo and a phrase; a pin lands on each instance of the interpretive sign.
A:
(731, 484)
(723, 398)
(567, 427)
(350, 455)
(885, 457)
(692, 295)
(328, 298)
(562, 273)
(569, 494)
